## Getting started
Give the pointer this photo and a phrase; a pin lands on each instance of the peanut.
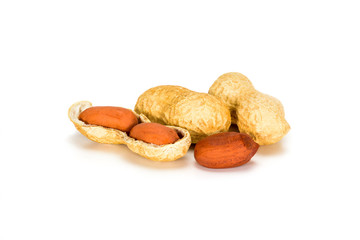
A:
(112, 117)
(259, 115)
(154, 133)
(109, 135)
(199, 113)
(225, 150)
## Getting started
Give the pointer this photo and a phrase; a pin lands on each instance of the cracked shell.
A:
(168, 152)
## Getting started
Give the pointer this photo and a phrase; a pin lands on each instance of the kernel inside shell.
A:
(154, 133)
(168, 152)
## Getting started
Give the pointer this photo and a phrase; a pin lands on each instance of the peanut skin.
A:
(112, 117)
(154, 133)
(225, 150)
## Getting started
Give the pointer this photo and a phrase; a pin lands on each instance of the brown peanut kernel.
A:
(112, 117)
(225, 150)
(154, 133)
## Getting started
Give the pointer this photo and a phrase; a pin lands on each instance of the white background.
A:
(57, 184)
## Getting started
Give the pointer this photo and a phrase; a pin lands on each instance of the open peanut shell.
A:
(168, 152)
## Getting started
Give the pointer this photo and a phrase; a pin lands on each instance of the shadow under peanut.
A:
(125, 153)
(233, 128)
(272, 149)
(243, 168)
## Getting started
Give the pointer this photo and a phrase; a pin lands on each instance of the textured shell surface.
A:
(155, 101)
(257, 114)
(230, 86)
(206, 115)
(200, 113)
(263, 119)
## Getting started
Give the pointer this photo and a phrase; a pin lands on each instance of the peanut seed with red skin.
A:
(112, 117)
(225, 150)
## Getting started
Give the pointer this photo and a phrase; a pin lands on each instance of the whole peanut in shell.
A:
(257, 114)
(225, 150)
(200, 113)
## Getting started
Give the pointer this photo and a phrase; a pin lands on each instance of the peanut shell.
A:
(257, 114)
(200, 113)
(168, 152)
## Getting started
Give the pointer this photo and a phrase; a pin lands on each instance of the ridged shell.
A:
(257, 114)
(200, 113)
(168, 152)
